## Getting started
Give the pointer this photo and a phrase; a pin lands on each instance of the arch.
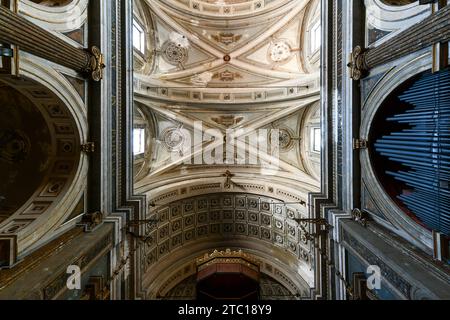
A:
(176, 188)
(179, 98)
(404, 225)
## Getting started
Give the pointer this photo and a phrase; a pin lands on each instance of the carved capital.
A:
(358, 64)
(96, 64)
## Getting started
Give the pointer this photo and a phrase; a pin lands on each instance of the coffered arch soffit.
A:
(294, 166)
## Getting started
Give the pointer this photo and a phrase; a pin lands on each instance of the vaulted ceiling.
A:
(241, 65)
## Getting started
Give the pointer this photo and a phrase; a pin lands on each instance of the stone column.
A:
(16, 30)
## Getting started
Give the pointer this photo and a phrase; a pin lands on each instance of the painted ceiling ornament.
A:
(14, 146)
(173, 139)
(280, 51)
(174, 53)
(285, 138)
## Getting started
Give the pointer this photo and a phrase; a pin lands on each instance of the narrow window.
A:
(138, 141)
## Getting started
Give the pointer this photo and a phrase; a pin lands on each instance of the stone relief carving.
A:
(174, 53)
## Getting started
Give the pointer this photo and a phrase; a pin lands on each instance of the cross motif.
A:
(228, 175)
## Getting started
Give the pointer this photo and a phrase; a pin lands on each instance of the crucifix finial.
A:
(228, 175)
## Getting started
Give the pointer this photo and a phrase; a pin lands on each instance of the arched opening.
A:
(265, 228)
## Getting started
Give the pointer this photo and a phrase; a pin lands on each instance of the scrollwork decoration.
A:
(96, 64)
